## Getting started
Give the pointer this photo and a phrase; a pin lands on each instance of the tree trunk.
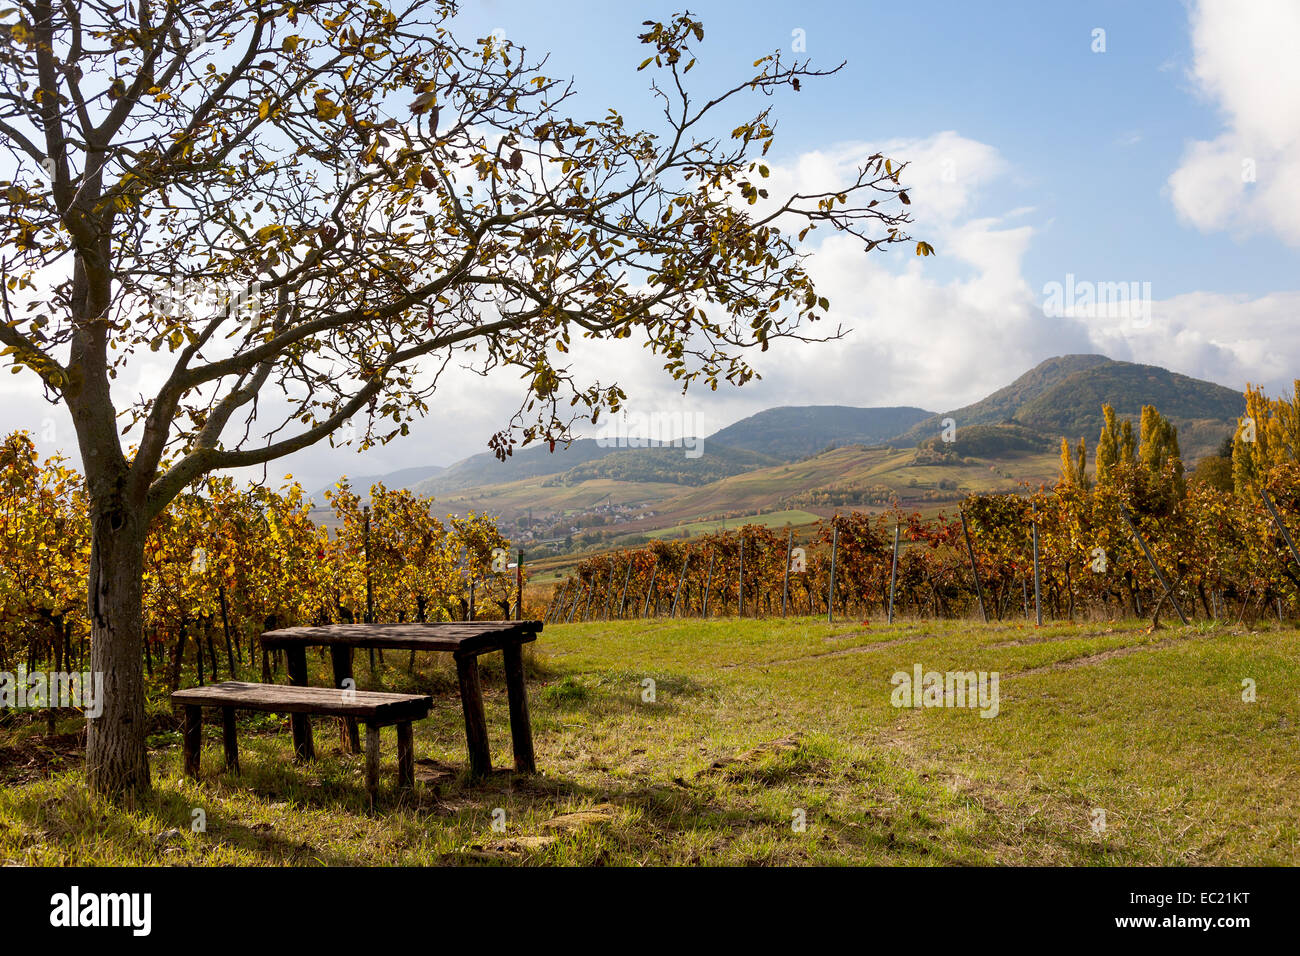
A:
(117, 761)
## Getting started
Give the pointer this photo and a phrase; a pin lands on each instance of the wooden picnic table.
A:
(465, 641)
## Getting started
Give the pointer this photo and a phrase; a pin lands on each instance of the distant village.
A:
(560, 532)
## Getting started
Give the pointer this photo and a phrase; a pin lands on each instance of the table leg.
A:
(229, 739)
(295, 662)
(372, 761)
(349, 736)
(521, 731)
(193, 738)
(405, 756)
(471, 700)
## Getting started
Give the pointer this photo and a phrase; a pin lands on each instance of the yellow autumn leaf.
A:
(264, 110)
(326, 108)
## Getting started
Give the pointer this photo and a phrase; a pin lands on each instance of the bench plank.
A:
(464, 637)
(370, 706)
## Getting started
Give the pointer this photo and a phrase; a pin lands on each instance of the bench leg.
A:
(521, 731)
(372, 761)
(228, 738)
(405, 757)
(295, 661)
(193, 738)
(471, 700)
(349, 735)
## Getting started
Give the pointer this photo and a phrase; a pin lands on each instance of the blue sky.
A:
(1090, 137)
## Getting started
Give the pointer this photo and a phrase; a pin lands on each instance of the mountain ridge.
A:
(1060, 397)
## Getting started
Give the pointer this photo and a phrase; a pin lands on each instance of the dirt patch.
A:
(601, 813)
(770, 763)
(432, 773)
(1090, 659)
(40, 757)
(1026, 641)
(860, 649)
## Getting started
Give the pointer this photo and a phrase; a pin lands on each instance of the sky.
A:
(1053, 148)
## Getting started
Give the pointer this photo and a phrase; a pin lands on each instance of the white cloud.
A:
(1248, 178)
(915, 337)
(1229, 339)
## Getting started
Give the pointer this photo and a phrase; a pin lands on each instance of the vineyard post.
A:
(471, 595)
(785, 582)
(708, 585)
(1038, 582)
(591, 594)
(1277, 519)
(1245, 603)
(740, 604)
(225, 626)
(519, 587)
(1151, 560)
(654, 571)
(365, 557)
(576, 601)
(970, 552)
(622, 598)
(558, 614)
(686, 562)
(556, 598)
(609, 595)
(365, 554)
(830, 594)
(893, 574)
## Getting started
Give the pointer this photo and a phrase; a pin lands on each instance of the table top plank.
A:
(327, 701)
(453, 637)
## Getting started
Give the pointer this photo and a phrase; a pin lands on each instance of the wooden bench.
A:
(466, 641)
(374, 709)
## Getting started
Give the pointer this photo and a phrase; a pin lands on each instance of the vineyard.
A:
(1138, 537)
(223, 563)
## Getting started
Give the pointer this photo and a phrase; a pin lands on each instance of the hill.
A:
(666, 464)
(1204, 412)
(773, 435)
(791, 432)
(984, 441)
(402, 478)
(1002, 405)
(1063, 396)
(536, 461)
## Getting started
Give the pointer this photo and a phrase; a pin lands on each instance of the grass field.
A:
(753, 724)
(774, 519)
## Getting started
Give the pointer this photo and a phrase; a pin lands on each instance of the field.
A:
(754, 725)
(775, 519)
